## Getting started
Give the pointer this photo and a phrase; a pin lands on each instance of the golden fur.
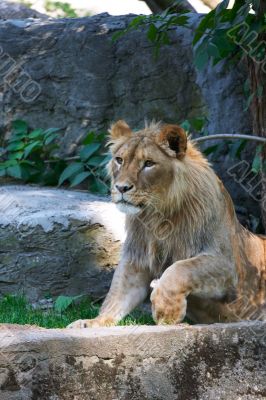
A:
(182, 232)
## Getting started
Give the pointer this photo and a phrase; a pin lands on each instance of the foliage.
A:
(16, 310)
(63, 9)
(222, 33)
(63, 302)
(30, 156)
(257, 163)
(90, 165)
(26, 153)
(158, 26)
(233, 148)
(196, 124)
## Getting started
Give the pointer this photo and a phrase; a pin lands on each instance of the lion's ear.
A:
(176, 139)
(119, 129)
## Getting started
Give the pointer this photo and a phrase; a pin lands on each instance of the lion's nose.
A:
(124, 188)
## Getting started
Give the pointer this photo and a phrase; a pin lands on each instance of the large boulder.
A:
(57, 242)
(215, 362)
(87, 80)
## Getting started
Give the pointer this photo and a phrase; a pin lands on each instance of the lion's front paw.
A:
(167, 307)
(91, 323)
(81, 323)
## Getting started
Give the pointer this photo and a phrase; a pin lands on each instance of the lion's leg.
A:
(205, 275)
(129, 288)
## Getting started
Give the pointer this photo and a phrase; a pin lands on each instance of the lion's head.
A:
(149, 167)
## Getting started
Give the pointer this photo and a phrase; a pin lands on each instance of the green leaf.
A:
(256, 164)
(118, 35)
(77, 179)
(98, 186)
(249, 101)
(70, 170)
(236, 148)
(89, 138)
(49, 131)
(95, 161)
(106, 159)
(14, 146)
(35, 134)
(26, 171)
(19, 127)
(164, 38)
(32, 147)
(15, 171)
(50, 139)
(213, 50)
(89, 150)
(211, 149)
(186, 125)
(137, 21)
(180, 20)
(16, 156)
(100, 137)
(27, 162)
(2, 172)
(63, 302)
(8, 163)
(16, 138)
(224, 44)
(201, 55)
(207, 22)
(152, 33)
(222, 6)
(198, 123)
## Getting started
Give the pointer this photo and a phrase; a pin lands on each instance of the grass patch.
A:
(16, 310)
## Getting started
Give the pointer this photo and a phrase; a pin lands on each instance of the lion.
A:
(183, 235)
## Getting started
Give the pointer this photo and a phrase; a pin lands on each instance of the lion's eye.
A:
(119, 160)
(149, 163)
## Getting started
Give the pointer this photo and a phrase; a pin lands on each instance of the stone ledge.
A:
(138, 362)
(57, 242)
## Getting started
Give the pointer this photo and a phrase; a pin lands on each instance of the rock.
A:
(57, 242)
(112, 80)
(43, 304)
(9, 10)
(135, 362)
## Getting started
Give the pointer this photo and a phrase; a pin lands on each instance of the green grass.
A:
(16, 310)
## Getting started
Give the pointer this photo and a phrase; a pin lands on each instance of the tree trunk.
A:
(257, 74)
(157, 6)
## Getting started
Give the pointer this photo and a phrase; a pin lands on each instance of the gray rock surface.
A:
(87, 80)
(57, 242)
(215, 362)
(10, 10)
